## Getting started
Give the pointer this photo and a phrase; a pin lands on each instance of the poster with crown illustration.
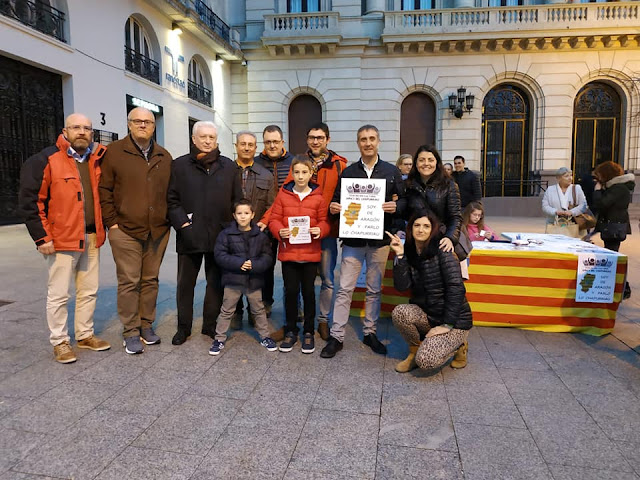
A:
(596, 279)
(362, 215)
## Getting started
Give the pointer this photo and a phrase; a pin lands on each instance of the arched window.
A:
(596, 127)
(505, 140)
(138, 51)
(304, 112)
(417, 122)
(199, 82)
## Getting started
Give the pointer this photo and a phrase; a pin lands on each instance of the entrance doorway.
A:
(505, 140)
(304, 112)
(32, 118)
(417, 123)
(596, 127)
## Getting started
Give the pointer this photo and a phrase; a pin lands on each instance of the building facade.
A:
(103, 59)
(518, 87)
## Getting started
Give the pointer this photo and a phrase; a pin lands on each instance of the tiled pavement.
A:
(529, 405)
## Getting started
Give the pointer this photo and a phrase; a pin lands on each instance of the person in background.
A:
(277, 161)
(243, 253)
(61, 183)
(429, 188)
(436, 321)
(448, 168)
(473, 223)
(404, 164)
(559, 201)
(259, 187)
(133, 196)
(204, 186)
(299, 260)
(327, 168)
(468, 182)
(611, 197)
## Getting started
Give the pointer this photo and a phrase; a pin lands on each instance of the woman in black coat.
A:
(436, 321)
(611, 198)
(430, 188)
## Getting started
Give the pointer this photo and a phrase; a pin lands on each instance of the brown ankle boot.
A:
(408, 363)
(460, 358)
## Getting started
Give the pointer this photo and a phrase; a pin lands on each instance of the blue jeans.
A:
(327, 268)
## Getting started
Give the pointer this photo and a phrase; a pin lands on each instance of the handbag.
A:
(585, 220)
(614, 231)
(463, 247)
(563, 226)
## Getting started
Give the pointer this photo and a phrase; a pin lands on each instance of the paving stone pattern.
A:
(529, 405)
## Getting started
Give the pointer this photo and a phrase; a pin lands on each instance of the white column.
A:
(375, 6)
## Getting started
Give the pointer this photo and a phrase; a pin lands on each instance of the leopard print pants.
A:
(412, 323)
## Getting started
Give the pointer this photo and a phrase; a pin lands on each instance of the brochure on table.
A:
(596, 275)
(362, 215)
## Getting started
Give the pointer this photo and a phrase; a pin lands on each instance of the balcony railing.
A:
(142, 65)
(518, 18)
(199, 93)
(301, 24)
(39, 15)
(212, 20)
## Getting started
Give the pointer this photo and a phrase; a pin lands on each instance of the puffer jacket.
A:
(288, 204)
(233, 248)
(445, 203)
(51, 198)
(327, 178)
(436, 286)
(612, 201)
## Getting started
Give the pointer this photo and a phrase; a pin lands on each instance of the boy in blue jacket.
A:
(243, 253)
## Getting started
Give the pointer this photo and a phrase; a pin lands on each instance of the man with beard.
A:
(60, 205)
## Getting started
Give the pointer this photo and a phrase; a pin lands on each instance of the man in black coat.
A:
(468, 182)
(203, 189)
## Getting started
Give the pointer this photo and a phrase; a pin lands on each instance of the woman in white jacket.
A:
(558, 198)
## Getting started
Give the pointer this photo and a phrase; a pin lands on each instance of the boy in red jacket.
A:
(299, 220)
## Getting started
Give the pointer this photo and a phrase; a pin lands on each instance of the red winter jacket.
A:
(287, 204)
(52, 200)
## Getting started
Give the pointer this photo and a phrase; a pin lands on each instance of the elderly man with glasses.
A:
(133, 196)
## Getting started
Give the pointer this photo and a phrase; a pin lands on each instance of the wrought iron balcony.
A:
(104, 137)
(142, 65)
(36, 14)
(212, 20)
(199, 93)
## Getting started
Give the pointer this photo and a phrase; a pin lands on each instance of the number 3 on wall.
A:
(103, 121)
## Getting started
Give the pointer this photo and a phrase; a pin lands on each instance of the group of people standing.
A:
(76, 194)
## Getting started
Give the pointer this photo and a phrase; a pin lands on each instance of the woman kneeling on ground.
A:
(437, 319)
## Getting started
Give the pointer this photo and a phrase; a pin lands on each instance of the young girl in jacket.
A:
(473, 222)
(436, 321)
(299, 198)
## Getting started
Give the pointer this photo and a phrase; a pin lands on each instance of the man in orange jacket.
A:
(61, 209)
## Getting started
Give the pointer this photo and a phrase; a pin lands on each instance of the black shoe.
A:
(180, 337)
(372, 341)
(332, 347)
(627, 291)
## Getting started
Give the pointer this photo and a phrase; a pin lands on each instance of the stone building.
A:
(518, 87)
